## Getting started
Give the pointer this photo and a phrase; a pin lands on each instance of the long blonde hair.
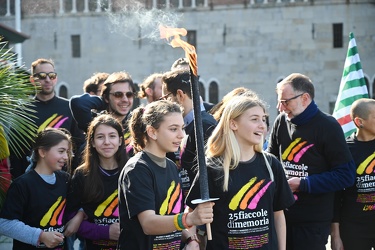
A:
(222, 146)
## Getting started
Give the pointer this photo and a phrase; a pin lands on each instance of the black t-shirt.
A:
(358, 201)
(143, 185)
(243, 216)
(103, 212)
(305, 150)
(36, 203)
(53, 113)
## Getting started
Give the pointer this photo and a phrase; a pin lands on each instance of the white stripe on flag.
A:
(341, 112)
(361, 90)
(348, 126)
(352, 43)
(354, 75)
(351, 60)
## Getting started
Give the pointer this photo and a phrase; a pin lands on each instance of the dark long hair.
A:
(93, 185)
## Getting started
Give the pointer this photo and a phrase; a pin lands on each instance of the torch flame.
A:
(172, 35)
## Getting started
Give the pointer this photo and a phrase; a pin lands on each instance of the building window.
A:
(213, 93)
(191, 38)
(337, 35)
(76, 45)
(63, 92)
(373, 90)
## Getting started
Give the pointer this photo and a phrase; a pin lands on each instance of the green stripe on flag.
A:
(354, 83)
(352, 67)
(352, 51)
(348, 101)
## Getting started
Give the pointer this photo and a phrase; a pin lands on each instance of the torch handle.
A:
(208, 231)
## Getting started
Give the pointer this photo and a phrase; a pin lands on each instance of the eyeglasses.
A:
(119, 94)
(285, 102)
(165, 97)
(43, 75)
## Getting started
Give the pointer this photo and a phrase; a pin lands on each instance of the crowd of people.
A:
(115, 176)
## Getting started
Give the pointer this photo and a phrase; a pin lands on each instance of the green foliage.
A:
(16, 106)
(16, 111)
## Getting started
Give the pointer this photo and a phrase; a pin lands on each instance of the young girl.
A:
(150, 192)
(35, 203)
(94, 185)
(251, 185)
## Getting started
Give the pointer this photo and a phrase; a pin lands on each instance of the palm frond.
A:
(16, 108)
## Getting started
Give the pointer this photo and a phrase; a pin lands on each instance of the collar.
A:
(190, 116)
(306, 115)
(45, 102)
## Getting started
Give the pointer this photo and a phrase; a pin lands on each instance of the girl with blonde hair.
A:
(250, 184)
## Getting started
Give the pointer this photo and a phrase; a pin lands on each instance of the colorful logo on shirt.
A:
(55, 214)
(108, 207)
(296, 150)
(249, 195)
(54, 121)
(367, 166)
(173, 201)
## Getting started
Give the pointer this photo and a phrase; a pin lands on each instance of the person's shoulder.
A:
(62, 174)
(25, 178)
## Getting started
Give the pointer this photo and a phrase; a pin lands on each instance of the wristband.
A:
(179, 221)
(175, 222)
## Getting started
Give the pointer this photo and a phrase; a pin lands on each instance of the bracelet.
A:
(192, 238)
(179, 221)
(184, 216)
(175, 222)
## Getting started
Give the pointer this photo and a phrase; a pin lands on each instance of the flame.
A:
(172, 35)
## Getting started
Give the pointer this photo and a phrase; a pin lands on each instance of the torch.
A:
(190, 53)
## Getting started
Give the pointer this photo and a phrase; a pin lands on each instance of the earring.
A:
(361, 125)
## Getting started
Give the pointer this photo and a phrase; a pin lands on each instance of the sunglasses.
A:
(43, 75)
(119, 94)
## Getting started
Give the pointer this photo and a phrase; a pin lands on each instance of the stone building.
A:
(251, 43)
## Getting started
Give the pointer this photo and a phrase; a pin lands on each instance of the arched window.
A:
(213, 93)
(373, 90)
(367, 85)
(202, 91)
(63, 91)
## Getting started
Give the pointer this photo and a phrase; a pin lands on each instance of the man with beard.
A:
(151, 88)
(117, 98)
(50, 111)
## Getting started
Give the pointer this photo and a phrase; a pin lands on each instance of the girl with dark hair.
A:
(150, 194)
(35, 203)
(93, 192)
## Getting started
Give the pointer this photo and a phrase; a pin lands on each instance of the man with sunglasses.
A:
(50, 110)
(117, 98)
(312, 148)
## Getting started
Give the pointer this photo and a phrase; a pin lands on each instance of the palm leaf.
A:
(16, 108)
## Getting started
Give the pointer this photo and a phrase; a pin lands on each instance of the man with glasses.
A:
(317, 162)
(50, 110)
(117, 98)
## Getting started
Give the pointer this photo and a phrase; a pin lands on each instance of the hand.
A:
(294, 184)
(114, 231)
(336, 242)
(202, 214)
(72, 226)
(51, 239)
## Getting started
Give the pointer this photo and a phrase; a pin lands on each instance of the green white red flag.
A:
(352, 87)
